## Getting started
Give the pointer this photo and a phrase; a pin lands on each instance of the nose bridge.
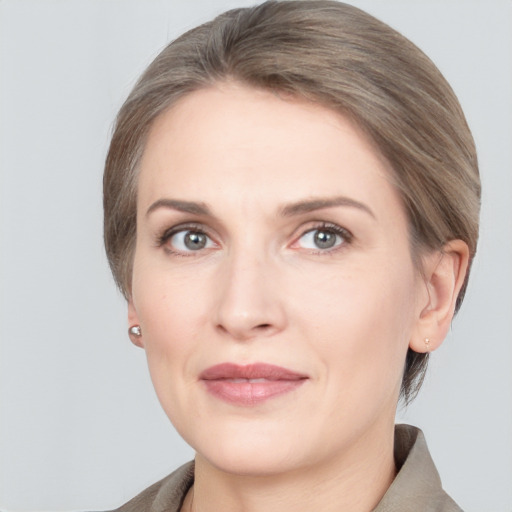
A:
(248, 300)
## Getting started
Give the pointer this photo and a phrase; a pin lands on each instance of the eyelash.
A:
(169, 233)
(347, 237)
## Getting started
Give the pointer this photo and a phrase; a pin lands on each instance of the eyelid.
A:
(167, 234)
(344, 233)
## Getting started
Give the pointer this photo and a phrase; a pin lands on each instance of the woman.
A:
(291, 210)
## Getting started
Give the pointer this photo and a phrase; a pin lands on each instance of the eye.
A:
(188, 240)
(323, 238)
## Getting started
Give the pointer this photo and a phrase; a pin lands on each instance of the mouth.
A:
(252, 384)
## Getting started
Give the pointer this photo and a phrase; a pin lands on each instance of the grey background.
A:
(80, 428)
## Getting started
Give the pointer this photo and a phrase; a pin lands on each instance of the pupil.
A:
(324, 239)
(195, 241)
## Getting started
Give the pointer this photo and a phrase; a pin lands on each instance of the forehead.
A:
(234, 143)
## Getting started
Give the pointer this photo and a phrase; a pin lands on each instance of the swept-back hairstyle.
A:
(341, 57)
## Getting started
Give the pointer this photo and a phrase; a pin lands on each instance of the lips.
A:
(250, 384)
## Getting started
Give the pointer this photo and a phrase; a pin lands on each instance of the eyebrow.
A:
(312, 205)
(289, 210)
(181, 206)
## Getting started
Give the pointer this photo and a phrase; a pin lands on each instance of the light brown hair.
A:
(343, 58)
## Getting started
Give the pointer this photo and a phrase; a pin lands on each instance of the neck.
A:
(353, 481)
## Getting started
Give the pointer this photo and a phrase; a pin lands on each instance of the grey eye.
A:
(195, 241)
(324, 239)
(320, 238)
(187, 241)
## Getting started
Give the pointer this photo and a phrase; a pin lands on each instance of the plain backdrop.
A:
(80, 427)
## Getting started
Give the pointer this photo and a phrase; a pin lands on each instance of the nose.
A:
(249, 301)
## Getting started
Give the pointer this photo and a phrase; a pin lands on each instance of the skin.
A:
(260, 290)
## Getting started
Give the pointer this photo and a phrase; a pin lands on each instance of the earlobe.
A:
(444, 275)
(134, 328)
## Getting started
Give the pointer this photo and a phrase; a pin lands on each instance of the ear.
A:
(444, 274)
(133, 319)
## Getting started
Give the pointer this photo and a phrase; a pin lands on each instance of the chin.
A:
(246, 448)
(248, 461)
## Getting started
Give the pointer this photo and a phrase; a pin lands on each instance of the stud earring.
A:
(427, 344)
(135, 330)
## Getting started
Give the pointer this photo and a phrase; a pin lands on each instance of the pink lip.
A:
(250, 384)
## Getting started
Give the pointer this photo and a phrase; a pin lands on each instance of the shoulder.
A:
(166, 495)
(417, 486)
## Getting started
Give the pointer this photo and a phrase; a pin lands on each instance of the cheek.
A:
(165, 298)
(360, 323)
(171, 315)
(168, 312)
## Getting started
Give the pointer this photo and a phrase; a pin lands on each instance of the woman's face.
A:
(273, 281)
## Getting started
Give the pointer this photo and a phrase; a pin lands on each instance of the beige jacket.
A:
(416, 488)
